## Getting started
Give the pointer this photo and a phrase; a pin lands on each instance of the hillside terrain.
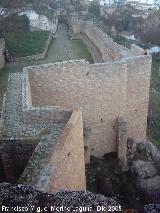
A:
(129, 20)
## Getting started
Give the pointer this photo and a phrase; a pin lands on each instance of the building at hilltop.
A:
(54, 113)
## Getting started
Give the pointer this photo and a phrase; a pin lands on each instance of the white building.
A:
(144, 4)
(106, 2)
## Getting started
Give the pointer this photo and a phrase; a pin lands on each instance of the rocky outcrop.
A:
(146, 151)
(23, 198)
(143, 169)
(150, 188)
(144, 160)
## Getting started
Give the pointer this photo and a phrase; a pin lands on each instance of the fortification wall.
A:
(138, 85)
(2, 47)
(43, 114)
(110, 51)
(102, 91)
(68, 158)
(55, 166)
(40, 145)
(95, 89)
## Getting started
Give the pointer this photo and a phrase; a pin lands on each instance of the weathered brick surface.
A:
(54, 163)
(68, 157)
(138, 84)
(65, 167)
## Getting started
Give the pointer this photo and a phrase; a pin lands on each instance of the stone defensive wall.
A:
(39, 151)
(2, 47)
(68, 107)
(102, 91)
(99, 43)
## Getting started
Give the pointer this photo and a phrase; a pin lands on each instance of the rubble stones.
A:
(26, 196)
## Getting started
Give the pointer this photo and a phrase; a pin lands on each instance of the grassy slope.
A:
(154, 115)
(25, 44)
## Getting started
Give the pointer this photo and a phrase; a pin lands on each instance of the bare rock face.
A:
(143, 169)
(23, 198)
(144, 161)
(150, 187)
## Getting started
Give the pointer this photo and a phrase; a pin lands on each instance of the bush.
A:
(14, 23)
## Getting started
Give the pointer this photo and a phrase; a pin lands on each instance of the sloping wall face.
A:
(99, 90)
(61, 165)
(2, 46)
(68, 158)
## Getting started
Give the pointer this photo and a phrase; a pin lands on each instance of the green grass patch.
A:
(154, 106)
(26, 44)
(80, 50)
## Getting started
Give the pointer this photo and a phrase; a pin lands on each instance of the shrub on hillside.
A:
(14, 23)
